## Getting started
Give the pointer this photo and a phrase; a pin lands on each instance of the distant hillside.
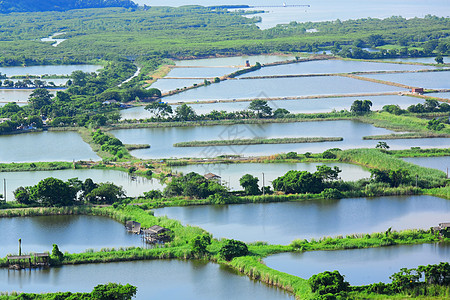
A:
(7, 6)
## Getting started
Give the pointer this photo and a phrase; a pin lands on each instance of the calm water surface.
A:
(440, 95)
(235, 61)
(231, 173)
(430, 80)
(167, 85)
(281, 223)
(156, 279)
(382, 262)
(441, 163)
(294, 106)
(70, 233)
(423, 60)
(162, 139)
(201, 72)
(133, 188)
(44, 146)
(279, 87)
(48, 69)
(331, 67)
(13, 95)
(324, 10)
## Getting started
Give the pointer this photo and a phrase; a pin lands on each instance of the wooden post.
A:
(20, 247)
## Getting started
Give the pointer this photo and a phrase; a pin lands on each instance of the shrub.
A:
(232, 249)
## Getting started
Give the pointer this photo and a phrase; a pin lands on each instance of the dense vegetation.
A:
(8, 6)
(100, 292)
(55, 192)
(199, 31)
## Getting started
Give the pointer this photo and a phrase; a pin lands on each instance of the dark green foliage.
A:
(291, 155)
(393, 177)
(261, 107)
(360, 107)
(199, 244)
(299, 182)
(405, 279)
(436, 274)
(394, 109)
(105, 193)
(328, 283)
(439, 59)
(232, 249)
(57, 256)
(250, 184)
(435, 125)
(430, 105)
(109, 144)
(194, 185)
(8, 6)
(328, 154)
(153, 194)
(53, 192)
(160, 109)
(113, 291)
(382, 145)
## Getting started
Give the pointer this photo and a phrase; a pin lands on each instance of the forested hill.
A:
(7, 6)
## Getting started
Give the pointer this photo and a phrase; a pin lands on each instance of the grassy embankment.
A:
(258, 141)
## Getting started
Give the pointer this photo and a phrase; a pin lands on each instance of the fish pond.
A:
(73, 233)
(162, 139)
(319, 105)
(133, 186)
(231, 173)
(280, 87)
(155, 279)
(281, 223)
(355, 263)
(441, 163)
(44, 146)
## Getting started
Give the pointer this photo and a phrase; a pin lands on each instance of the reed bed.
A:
(258, 141)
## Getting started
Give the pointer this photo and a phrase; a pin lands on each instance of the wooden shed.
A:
(31, 261)
(156, 234)
(417, 90)
(133, 227)
(212, 176)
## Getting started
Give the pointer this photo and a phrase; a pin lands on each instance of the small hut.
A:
(156, 234)
(31, 261)
(133, 227)
(417, 90)
(212, 176)
(443, 229)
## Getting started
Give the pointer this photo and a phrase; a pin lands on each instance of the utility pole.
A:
(417, 177)
(4, 189)
(263, 185)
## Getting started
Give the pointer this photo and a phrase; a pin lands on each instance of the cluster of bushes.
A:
(197, 186)
(55, 192)
(257, 66)
(331, 285)
(429, 106)
(100, 292)
(109, 144)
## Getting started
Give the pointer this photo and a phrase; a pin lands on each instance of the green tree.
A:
(113, 291)
(53, 192)
(232, 249)
(328, 282)
(435, 124)
(200, 243)
(185, 113)
(57, 256)
(360, 107)
(40, 98)
(159, 109)
(261, 108)
(250, 184)
(298, 182)
(439, 59)
(105, 193)
(382, 145)
(327, 173)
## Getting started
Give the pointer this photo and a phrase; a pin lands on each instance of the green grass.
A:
(257, 141)
(374, 158)
(36, 166)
